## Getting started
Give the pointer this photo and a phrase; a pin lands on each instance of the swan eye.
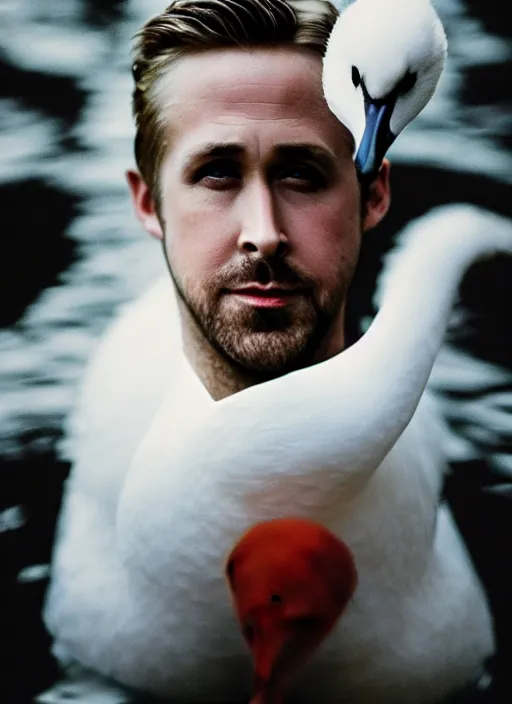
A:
(276, 598)
(230, 569)
(356, 77)
(407, 82)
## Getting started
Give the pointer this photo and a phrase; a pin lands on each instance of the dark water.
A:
(71, 254)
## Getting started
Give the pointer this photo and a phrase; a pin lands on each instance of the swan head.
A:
(290, 581)
(382, 64)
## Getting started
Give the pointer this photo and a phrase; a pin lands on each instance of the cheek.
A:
(328, 240)
(199, 239)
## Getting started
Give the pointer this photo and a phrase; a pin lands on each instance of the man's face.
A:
(259, 205)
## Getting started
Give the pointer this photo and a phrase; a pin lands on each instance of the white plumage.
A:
(165, 480)
(138, 591)
(383, 41)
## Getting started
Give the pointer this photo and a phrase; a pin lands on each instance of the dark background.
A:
(70, 254)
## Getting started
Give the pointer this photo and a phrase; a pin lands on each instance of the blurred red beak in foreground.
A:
(290, 580)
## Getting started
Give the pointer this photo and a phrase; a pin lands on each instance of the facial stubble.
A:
(265, 342)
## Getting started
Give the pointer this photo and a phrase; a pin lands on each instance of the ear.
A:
(378, 199)
(144, 205)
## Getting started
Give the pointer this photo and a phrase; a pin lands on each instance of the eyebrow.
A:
(214, 149)
(307, 152)
(293, 150)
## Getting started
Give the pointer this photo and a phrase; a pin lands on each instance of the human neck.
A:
(222, 378)
(218, 376)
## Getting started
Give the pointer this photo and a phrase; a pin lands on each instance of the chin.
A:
(272, 354)
(267, 343)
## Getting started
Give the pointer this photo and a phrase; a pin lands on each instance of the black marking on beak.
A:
(377, 135)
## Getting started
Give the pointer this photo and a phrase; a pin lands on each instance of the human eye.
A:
(303, 177)
(219, 174)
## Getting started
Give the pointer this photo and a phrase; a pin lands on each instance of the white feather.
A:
(137, 589)
(383, 39)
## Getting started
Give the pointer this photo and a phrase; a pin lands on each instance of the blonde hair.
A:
(191, 26)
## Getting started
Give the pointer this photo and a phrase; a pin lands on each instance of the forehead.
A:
(262, 94)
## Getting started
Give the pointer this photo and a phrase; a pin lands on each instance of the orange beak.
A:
(271, 650)
(266, 654)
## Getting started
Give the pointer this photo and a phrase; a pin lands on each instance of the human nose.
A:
(260, 230)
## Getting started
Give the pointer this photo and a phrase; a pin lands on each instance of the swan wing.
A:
(125, 381)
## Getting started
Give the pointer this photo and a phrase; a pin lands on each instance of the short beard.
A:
(265, 342)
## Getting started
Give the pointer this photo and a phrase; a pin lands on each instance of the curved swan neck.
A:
(400, 347)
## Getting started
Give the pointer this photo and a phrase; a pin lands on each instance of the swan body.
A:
(381, 67)
(138, 590)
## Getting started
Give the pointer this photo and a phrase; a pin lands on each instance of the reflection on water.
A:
(72, 254)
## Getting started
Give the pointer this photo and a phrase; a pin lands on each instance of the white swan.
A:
(138, 591)
(381, 67)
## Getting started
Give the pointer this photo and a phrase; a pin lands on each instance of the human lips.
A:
(269, 296)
